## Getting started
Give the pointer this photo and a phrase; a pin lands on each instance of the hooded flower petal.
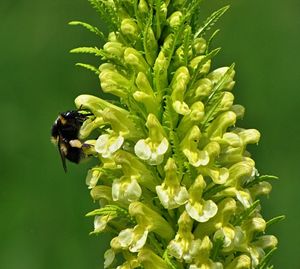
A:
(201, 212)
(190, 149)
(170, 193)
(199, 209)
(153, 148)
(183, 242)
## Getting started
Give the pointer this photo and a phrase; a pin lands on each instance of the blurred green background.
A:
(42, 209)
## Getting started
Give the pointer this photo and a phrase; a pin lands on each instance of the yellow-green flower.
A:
(153, 148)
(173, 181)
(199, 209)
(170, 193)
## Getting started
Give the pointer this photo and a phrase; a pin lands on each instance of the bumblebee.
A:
(65, 133)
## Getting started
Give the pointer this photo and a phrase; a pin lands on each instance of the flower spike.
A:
(172, 178)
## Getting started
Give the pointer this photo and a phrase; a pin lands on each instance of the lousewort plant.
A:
(175, 183)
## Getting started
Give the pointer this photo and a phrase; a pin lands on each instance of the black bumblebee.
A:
(65, 133)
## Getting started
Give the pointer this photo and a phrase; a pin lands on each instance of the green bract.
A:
(176, 185)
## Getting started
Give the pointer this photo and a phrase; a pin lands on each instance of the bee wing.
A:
(62, 154)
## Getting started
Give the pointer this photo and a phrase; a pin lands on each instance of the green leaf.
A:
(210, 21)
(107, 13)
(169, 116)
(157, 23)
(89, 67)
(214, 100)
(260, 179)
(89, 50)
(245, 214)
(186, 44)
(119, 62)
(91, 28)
(112, 210)
(265, 263)
(168, 260)
(217, 246)
(209, 192)
(275, 220)
(212, 37)
(192, 8)
(169, 120)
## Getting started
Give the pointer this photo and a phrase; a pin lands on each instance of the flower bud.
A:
(201, 89)
(226, 101)
(240, 262)
(266, 241)
(189, 146)
(145, 94)
(112, 37)
(114, 83)
(160, 72)
(262, 188)
(239, 173)
(143, 8)
(101, 192)
(134, 58)
(249, 136)
(216, 75)
(130, 29)
(199, 45)
(114, 48)
(219, 125)
(175, 19)
(193, 118)
(178, 85)
(204, 66)
(238, 110)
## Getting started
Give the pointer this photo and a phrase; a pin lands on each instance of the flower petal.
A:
(140, 240)
(109, 257)
(117, 143)
(101, 143)
(163, 146)
(142, 150)
(201, 212)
